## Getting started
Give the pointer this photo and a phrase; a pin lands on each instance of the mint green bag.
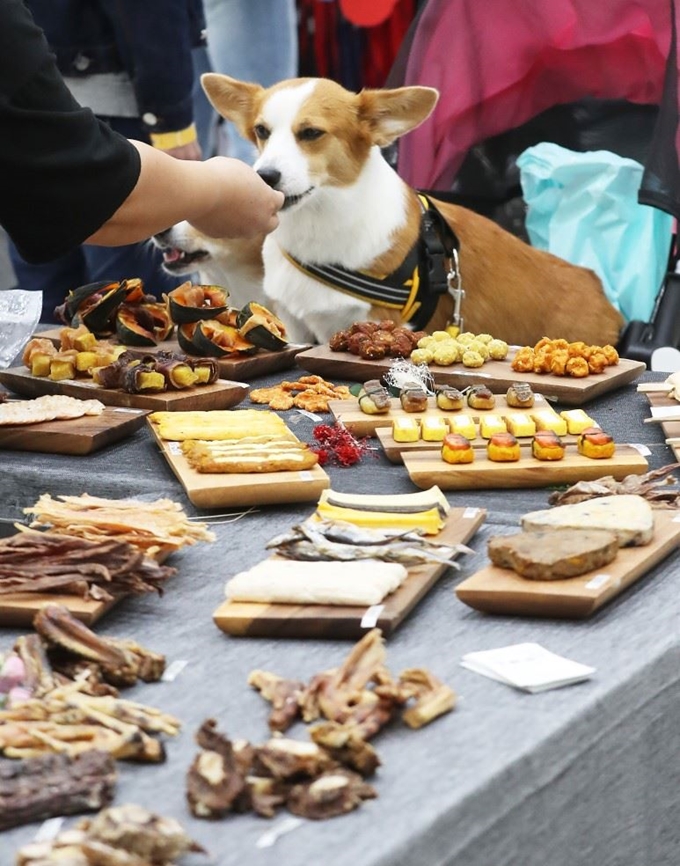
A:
(583, 207)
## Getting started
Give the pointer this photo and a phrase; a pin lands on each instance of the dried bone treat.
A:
(126, 835)
(346, 746)
(214, 780)
(284, 696)
(122, 662)
(39, 788)
(284, 758)
(433, 698)
(331, 794)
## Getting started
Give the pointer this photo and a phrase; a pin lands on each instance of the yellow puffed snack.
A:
(577, 420)
(405, 430)
(464, 425)
(491, 424)
(433, 428)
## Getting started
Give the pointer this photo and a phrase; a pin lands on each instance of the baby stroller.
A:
(584, 75)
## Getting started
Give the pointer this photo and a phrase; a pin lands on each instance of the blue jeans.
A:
(90, 263)
(252, 40)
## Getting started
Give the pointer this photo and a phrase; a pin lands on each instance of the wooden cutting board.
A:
(426, 468)
(498, 375)
(247, 367)
(18, 609)
(73, 436)
(501, 591)
(657, 394)
(215, 490)
(361, 424)
(223, 394)
(243, 619)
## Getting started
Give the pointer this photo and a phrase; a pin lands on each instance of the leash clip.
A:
(456, 290)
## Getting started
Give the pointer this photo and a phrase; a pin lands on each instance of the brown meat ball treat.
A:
(372, 351)
(339, 342)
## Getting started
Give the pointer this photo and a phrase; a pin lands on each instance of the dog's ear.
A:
(234, 100)
(391, 113)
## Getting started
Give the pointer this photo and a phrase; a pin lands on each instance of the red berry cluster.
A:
(337, 445)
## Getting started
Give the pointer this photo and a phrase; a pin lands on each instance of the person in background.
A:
(131, 63)
(67, 178)
(252, 40)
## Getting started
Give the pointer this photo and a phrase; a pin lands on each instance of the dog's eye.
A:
(261, 132)
(310, 133)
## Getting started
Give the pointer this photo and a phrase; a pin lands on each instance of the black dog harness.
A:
(429, 270)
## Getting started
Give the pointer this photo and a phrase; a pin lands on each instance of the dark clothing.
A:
(150, 40)
(52, 151)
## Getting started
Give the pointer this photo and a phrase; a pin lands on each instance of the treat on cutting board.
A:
(554, 554)
(631, 517)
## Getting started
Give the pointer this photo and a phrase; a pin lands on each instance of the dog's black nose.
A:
(270, 176)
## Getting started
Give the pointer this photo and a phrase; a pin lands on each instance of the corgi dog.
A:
(232, 263)
(346, 208)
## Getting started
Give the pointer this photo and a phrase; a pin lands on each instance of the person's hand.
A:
(246, 206)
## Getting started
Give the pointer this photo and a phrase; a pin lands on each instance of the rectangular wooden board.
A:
(498, 375)
(243, 619)
(501, 591)
(216, 490)
(18, 609)
(223, 394)
(657, 394)
(426, 468)
(76, 436)
(246, 367)
(361, 424)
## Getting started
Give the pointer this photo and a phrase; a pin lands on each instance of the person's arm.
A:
(222, 197)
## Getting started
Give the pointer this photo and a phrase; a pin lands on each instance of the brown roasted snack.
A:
(374, 398)
(413, 398)
(456, 448)
(520, 395)
(503, 448)
(449, 399)
(547, 445)
(594, 442)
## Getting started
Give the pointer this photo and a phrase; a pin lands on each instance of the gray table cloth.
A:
(583, 775)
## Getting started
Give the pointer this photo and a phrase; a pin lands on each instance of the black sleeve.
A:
(63, 173)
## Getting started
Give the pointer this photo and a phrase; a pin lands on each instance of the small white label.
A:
(127, 410)
(641, 449)
(598, 581)
(370, 618)
(269, 837)
(470, 513)
(174, 448)
(311, 415)
(306, 475)
(49, 829)
(667, 413)
(174, 670)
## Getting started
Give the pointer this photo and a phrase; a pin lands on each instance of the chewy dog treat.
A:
(546, 419)
(374, 398)
(433, 428)
(520, 395)
(449, 399)
(595, 443)
(481, 397)
(503, 448)
(547, 445)
(577, 420)
(464, 425)
(520, 424)
(553, 554)
(405, 430)
(490, 424)
(413, 398)
(457, 449)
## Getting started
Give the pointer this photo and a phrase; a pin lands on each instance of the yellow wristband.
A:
(171, 140)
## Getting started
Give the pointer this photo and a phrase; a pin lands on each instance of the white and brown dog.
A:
(347, 210)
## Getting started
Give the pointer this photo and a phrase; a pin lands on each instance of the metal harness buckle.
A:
(455, 285)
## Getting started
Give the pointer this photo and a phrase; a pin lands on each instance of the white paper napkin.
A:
(527, 666)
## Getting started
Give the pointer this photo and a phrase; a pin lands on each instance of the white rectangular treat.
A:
(286, 581)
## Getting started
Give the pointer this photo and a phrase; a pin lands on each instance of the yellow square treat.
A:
(490, 424)
(546, 419)
(520, 424)
(405, 430)
(433, 428)
(577, 420)
(464, 425)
